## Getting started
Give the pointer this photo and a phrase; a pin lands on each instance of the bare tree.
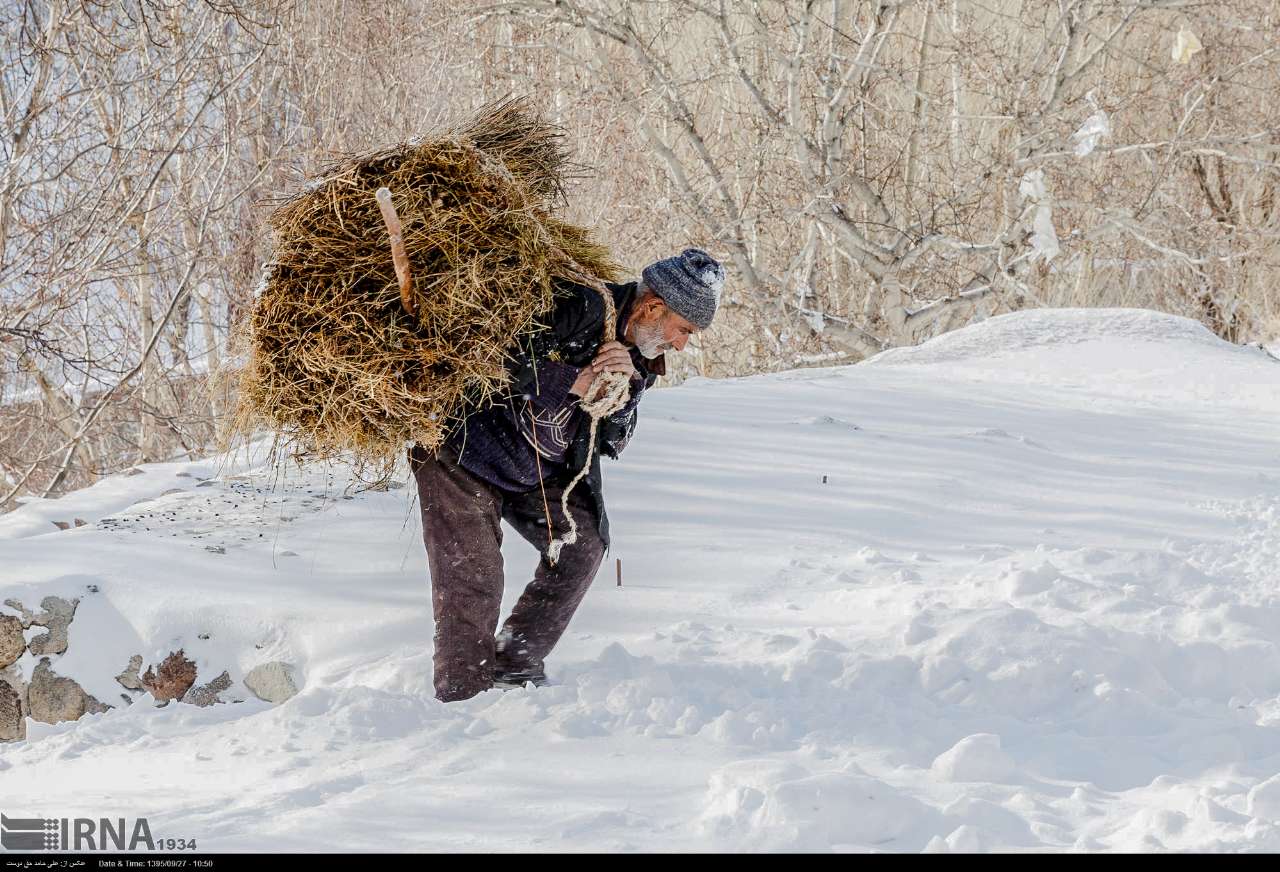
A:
(874, 172)
(884, 171)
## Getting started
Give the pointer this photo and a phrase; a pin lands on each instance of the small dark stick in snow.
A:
(619, 572)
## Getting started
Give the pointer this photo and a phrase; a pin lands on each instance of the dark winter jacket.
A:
(493, 442)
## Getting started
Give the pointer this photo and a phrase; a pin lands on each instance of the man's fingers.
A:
(613, 363)
(611, 358)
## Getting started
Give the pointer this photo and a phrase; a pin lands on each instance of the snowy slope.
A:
(1013, 589)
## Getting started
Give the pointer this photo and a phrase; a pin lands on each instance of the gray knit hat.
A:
(689, 284)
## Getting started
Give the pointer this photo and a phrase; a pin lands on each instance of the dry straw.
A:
(336, 364)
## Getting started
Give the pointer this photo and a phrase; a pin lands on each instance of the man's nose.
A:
(679, 342)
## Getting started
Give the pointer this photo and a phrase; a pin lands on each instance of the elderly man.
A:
(512, 461)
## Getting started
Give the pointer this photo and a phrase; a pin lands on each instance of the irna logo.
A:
(74, 834)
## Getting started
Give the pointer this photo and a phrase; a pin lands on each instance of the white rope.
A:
(614, 389)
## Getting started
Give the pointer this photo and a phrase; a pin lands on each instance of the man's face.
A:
(658, 330)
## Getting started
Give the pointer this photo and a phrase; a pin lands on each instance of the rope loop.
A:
(608, 393)
(615, 389)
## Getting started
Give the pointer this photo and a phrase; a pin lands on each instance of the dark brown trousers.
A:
(461, 526)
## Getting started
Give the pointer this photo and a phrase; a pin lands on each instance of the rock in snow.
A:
(208, 694)
(54, 698)
(13, 706)
(172, 679)
(129, 679)
(271, 682)
(56, 617)
(12, 642)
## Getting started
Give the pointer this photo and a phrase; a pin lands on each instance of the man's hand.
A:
(583, 382)
(612, 357)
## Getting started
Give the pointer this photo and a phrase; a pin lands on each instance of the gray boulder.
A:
(12, 642)
(271, 682)
(56, 617)
(54, 698)
(13, 706)
(129, 679)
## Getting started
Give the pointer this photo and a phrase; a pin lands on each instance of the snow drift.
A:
(1014, 589)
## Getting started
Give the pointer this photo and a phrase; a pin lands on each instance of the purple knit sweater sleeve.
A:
(554, 379)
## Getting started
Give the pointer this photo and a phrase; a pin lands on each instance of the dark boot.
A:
(544, 610)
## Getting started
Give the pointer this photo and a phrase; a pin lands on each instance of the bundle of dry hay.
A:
(335, 362)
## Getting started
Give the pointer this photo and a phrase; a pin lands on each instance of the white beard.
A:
(649, 341)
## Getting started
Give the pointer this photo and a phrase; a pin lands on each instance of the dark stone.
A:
(207, 694)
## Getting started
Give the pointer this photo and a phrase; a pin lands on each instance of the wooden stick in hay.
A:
(336, 365)
(398, 255)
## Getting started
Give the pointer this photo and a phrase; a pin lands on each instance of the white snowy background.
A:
(1033, 606)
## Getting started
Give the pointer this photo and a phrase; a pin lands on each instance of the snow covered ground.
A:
(1015, 589)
